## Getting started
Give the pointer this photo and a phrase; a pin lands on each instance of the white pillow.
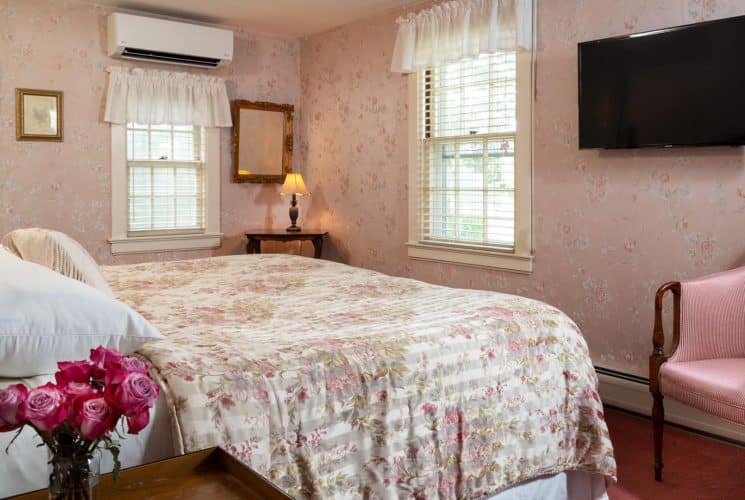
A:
(46, 317)
(58, 252)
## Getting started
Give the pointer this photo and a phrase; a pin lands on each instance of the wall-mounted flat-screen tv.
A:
(682, 86)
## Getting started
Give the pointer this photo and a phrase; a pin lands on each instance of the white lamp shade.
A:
(294, 184)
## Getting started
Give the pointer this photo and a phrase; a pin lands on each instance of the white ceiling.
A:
(283, 17)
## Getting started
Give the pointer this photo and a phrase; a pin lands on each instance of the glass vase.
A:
(74, 476)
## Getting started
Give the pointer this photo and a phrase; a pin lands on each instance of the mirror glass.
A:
(261, 137)
(262, 141)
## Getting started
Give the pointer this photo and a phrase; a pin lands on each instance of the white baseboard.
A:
(635, 396)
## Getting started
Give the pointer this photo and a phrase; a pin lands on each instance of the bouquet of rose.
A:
(78, 413)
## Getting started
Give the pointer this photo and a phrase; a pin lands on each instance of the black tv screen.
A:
(682, 86)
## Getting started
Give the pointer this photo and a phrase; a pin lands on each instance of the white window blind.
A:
(467, 156)
(165, 170)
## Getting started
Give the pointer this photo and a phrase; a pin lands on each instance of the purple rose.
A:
(93, 417)
(102, 359)
(44, 407)
(117, 371)
(138, 422)
(75, 390)
(73, 371)
(11, 399)
(136, 393)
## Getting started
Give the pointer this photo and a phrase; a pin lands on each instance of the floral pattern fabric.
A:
(337, 381)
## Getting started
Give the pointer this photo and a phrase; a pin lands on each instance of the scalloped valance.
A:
(461, 29)
(159, 97)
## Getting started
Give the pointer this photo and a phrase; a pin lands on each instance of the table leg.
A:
(317, 247)
(253, 245)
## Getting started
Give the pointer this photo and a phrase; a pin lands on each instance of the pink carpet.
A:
(696, 467)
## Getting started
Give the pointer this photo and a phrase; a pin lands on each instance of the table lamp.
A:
(295, 186)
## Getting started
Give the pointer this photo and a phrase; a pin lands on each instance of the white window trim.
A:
(521, 259)
(121, 243)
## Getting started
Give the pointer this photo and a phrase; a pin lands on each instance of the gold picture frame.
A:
(39, 115)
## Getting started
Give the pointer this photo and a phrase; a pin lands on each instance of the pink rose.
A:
(138, 422)
(102, 360)
(76, 390)
(11, 399)
(93, 417)
(44, 407)
(73, 371)
(136, 393)
(133, 364)
(116, 372)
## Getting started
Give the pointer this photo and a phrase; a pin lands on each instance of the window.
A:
(470, 163)
(165, 188)
(165, 179)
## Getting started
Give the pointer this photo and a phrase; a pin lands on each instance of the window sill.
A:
(489, 259)
(168, 243)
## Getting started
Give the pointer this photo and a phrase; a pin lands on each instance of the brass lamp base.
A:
(293, 229)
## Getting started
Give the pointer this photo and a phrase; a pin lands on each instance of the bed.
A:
(336, 381)
(340, 382)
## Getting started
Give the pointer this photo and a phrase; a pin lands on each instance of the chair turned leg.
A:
(658, 421)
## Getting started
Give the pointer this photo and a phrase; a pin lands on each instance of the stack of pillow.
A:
(55, 305)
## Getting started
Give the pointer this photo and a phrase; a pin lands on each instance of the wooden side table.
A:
(254, 239)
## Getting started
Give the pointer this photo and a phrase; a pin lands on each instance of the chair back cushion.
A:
(712, 317)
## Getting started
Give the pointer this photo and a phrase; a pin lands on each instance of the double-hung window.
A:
(165, 188)
(470, 162)
(165, 176)
(165, 159)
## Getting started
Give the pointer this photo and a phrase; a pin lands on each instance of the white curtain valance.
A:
(158, 97)
(461, 29)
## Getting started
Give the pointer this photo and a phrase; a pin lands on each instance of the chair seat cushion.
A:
(715, 386)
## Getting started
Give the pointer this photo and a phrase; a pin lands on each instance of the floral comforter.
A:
(338, 381)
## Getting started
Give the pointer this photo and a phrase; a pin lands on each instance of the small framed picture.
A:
(39, 115)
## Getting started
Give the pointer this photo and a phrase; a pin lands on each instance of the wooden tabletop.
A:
(254, 239)
(205, 474)
(258, 233)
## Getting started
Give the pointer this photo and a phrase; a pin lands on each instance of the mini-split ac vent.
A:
(167, 57)
(171, 42)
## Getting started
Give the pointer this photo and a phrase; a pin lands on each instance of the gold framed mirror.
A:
(262, 141)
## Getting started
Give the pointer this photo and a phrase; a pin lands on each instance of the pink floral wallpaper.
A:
(61, 45)
(610, 227)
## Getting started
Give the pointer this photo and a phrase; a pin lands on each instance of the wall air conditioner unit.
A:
(171, 42)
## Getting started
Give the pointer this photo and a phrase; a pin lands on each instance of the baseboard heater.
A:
(622, 375)
(631, 393)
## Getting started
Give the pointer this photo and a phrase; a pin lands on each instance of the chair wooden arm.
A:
(656, 360)
(658, 356)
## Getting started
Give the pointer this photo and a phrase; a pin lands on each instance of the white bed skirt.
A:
(570, 485)
(24, 467)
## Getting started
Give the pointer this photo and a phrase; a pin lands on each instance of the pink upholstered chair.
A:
(706, 366)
